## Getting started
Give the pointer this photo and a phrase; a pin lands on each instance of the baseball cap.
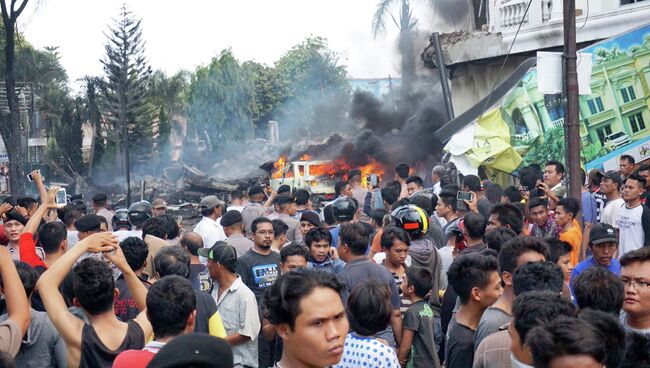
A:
(158, 202)
(211, 202)
(311, 217)
(230, 218)
(221, 252)
(602, 233)
(612, 174)
(194, 350)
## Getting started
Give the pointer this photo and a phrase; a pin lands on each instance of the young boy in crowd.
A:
(293, 257)
(418, 347)
(369, 312)
(476, 281)
(395, 242)
(319, 242)
(565, 216)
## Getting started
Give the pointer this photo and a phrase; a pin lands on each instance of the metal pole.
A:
(571, 114)
(442, 69)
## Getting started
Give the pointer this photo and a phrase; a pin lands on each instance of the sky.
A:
(186, 34)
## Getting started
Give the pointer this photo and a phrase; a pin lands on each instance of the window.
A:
(555, 106)
(595, 105)
(628, 94)
(625, 2)
(636, 123)
(603, 132)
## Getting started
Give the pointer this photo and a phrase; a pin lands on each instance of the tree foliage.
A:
(167, 98)
(221, 101)
(316, 82)
(406, 23)
(125, 88)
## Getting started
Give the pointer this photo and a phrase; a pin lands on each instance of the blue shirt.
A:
(335, 235)
(329, 265)
(614, 267)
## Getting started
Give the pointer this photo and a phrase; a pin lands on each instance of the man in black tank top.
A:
(98, 343)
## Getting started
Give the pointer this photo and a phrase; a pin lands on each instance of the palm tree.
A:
(406, 25)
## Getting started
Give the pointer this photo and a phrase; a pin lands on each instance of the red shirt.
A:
(133, 359)
(28, 251)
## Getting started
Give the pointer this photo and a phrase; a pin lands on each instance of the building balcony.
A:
(633, 105)
(601, 117)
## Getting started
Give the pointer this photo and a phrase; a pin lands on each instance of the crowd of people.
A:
(460, 273)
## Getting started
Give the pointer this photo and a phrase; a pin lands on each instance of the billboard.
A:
(614, 118)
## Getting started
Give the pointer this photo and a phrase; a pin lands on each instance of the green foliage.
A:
(167, 98)
(311, 67)
(66, 142)
(271, 92)
(316, 82)
(221, 101)
(551, 148)
(604, 55)
(125, 89)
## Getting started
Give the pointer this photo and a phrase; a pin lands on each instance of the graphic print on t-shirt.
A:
(265, 275)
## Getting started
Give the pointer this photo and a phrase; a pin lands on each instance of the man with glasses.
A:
(635, 274)
(603, 244)
(258, 269)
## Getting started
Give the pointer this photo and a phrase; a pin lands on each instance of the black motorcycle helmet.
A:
(412, 219)
(343, 209)
(139, 212)
(121, 219)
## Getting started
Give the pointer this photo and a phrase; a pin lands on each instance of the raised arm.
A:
(27, 243)
(136, 287)
(65, 322)
(49, 203)
(38, 181)
(15, 297)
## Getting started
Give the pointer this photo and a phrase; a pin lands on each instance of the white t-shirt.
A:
(633, 224)
(610, 213)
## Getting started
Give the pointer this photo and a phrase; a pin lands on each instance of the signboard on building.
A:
(614, 118)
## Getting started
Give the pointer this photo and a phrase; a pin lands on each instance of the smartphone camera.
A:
(465, 196)
(61, 196)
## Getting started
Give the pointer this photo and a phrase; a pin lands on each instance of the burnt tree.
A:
(11, 128)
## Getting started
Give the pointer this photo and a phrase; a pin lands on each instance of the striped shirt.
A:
(405, 302)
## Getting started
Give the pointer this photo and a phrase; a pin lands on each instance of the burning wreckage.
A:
(377, 139)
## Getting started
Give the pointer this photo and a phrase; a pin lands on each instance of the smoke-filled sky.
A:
(186, 34)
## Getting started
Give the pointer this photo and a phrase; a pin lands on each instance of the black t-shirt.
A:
(206, 307)
(124, 306)
(258, 271)
(195, 270)
(459, 352)
(419, 318)
(94, 354)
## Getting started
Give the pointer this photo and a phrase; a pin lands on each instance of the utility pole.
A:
(571, 113)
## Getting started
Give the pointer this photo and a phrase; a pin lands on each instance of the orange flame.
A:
(334, 169)
(279, 167)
